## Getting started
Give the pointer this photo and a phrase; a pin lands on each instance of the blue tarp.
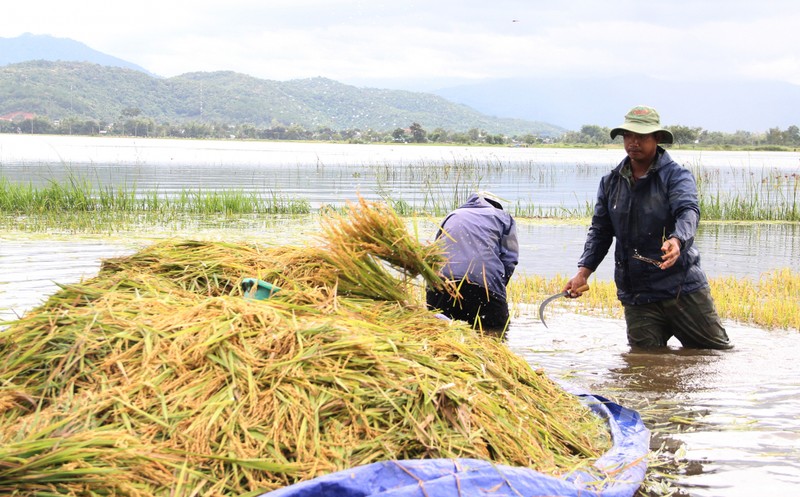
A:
(624, 466)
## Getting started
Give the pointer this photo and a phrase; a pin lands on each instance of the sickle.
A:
(565, 293)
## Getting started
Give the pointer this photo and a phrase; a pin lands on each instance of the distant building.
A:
(17, 116)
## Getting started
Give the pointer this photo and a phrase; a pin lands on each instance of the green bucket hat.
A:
(643, 120)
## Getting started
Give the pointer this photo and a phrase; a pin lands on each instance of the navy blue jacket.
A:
(662, 204)
(480, 243)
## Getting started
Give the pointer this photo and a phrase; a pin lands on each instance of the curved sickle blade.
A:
(547, 301)
(583, 288)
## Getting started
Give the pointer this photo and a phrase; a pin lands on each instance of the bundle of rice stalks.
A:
(158, 378)
(370, 230)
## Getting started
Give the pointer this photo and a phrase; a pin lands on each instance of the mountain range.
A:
(61, 79)
(543, 105)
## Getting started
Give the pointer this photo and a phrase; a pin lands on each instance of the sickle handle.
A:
(583, 288)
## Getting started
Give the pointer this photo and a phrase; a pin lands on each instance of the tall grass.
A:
(80, 195)
(767, 197)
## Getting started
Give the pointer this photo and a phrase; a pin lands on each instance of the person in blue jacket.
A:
(649, 204)
(482, 251)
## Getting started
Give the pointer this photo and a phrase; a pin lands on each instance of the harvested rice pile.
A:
(158, 378)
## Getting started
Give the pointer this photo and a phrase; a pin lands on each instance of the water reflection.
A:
(31, 270)
(655, 370)
(748, 249)
(726, 249)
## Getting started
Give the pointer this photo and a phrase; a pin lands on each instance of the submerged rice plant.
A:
(773, 302)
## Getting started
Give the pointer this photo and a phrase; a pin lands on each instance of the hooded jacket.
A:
(480, 244)
(663, 204)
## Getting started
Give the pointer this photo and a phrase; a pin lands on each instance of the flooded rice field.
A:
(727, 423)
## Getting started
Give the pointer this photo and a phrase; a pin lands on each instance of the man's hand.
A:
(672, 250)
(576, 282)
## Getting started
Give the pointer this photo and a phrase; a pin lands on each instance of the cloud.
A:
(351, 40)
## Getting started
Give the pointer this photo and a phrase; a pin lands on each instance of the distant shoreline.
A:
(564, 145)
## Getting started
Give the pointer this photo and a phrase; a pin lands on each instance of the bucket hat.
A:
(643, 120)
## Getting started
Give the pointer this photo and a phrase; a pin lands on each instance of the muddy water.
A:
(731, 419)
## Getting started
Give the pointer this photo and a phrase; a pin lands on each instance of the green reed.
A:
(529, 210)
(80, 195)
(764, 197)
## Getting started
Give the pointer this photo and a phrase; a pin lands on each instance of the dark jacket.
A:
(663, 204)
(480, 243)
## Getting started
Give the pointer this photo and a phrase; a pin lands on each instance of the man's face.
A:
(640, 147)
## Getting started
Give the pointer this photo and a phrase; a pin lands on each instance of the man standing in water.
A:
(649, 204)
(480, 244)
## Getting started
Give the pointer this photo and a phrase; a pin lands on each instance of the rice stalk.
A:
(772, 302)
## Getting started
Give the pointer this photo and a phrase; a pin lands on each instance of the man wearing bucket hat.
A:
(649, 204)
(480, 244)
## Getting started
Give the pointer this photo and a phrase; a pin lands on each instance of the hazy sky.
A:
(375, 43)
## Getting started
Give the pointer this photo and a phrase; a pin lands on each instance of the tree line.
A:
(685, 135)
(133, 124)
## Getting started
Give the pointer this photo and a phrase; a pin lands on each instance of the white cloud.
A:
(361, 39)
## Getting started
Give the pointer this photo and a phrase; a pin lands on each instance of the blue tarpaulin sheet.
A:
(624, 467)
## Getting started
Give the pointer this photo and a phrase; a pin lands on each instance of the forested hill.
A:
(59, 90)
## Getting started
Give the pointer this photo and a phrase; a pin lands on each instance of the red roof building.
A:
(17, 116)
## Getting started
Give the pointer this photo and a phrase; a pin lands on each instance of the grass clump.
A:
(77, 195)
(156, 377)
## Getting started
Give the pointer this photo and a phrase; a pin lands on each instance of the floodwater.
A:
(329, 174)
(729, 421)
(732, 416)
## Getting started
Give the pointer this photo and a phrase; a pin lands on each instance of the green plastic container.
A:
(254, 288)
